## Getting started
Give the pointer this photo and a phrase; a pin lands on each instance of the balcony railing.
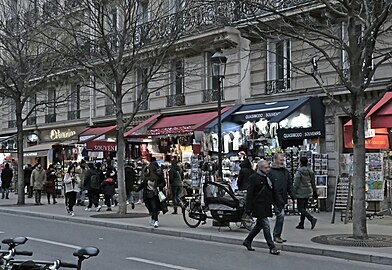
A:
(175, 100)
(109, 109)
(11, 123)
(32, 120)
(72, 115)
(211, 95)
(50, 118)
(277, 86)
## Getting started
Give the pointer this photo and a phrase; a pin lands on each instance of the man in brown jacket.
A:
(37, 181)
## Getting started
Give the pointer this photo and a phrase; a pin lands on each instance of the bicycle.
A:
(82, 254)
(6, 256)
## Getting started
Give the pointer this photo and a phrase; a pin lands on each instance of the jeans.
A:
(279, 213)
(37, 195)
(130, 197)
(302, 204)
(261, 224)
(81, 196)
(71, 199)
(5, 191)
(176, 191)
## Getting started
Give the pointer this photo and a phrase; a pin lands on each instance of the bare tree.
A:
(113, 39)
(26, 63)
(341, 41)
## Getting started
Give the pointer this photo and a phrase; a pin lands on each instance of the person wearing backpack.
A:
(175, 180)
(108, 190)
(92, 183)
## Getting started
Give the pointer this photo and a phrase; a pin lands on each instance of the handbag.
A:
(161, 196)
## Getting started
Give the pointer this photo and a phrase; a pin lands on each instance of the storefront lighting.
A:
(218, 62)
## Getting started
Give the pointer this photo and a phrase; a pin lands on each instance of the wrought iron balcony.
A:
(175, 100)
(32, 120)
(277, 86)
(11, 123)
(211, 95)
(50, 118)
(73, 114)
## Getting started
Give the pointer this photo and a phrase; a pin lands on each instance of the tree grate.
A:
(373, 240)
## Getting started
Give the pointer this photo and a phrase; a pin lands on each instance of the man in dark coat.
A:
(259, 201)
(245, 172)
(130, 178)
(283, 183)
(93, 194)
(175, 179)
(28, 170)
(6, 178)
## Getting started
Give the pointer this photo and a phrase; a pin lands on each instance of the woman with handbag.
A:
(153, 183)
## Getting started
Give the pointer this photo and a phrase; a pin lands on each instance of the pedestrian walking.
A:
(37, 182)
(175, 180)
(245, 172)
(259, 201)
(283, 184)
(81, 171)
(130, 178)
(108, 190)
(71, 184)
(50, 185)
(6, 179)
(304, 188)
(152, 184)
(92, 183)
(28, 170)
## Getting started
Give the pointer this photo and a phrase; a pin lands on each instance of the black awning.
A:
(317, 128)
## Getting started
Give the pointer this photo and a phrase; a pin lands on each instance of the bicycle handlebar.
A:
(24, 253)
(68, 265)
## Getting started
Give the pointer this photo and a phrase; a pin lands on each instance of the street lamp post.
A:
(218, 61)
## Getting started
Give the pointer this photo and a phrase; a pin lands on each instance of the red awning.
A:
(133, 132)
(380, 113)
(379, 141)
(92, 133)
(178, 124)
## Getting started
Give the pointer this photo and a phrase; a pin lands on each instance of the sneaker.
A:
(156, 224)
(87, 209)
(109, 209)
(313, 222)
(71, 214)
(139, 202)
(274, 251)
(279, 240)
(99, 208)
(300, 227)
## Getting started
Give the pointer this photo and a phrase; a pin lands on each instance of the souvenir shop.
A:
(378, 137)
(293, 127)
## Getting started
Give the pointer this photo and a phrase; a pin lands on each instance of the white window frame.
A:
(272, 64)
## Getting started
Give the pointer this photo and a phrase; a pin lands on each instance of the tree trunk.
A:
(122, 198)
(19, 132)
(358, 179)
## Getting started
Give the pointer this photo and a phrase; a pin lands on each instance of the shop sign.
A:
(294, 134)
(101, 146)
(56, 134)
(255, 116)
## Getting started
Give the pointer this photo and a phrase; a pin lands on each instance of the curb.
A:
(212, 238)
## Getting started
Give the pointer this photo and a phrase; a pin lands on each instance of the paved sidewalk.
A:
(297, 240)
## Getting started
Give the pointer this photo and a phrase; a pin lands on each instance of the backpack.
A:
(94, 182)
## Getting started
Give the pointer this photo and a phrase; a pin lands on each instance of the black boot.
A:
(175, 210)
(248, 245)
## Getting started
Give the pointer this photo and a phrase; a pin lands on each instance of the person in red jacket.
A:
(50, 185)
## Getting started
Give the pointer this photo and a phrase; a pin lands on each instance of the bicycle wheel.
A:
(248, 222)
(192, 214)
